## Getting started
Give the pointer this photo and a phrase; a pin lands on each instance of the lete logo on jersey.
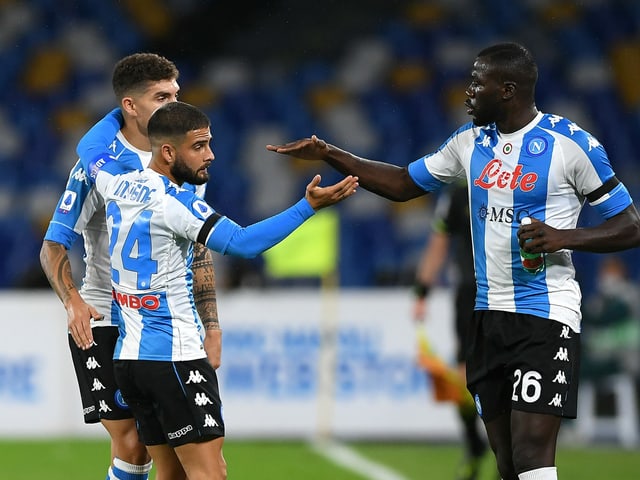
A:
(493, 175)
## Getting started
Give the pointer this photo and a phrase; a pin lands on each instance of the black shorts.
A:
(100, 396)
(173, 402)
(465, 298)
(522, 362)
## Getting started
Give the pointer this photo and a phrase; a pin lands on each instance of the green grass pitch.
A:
(81, 459)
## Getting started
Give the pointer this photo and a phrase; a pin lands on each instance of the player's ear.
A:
(509, 89)
(128, 106)
(168, 153)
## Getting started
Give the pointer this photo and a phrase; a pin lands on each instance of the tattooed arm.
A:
(204, 294)
(56, 265)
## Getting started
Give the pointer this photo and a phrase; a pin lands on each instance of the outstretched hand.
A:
(320, 197)
(307, 148)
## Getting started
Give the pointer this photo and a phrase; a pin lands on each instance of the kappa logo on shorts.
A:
(209, 421)
(202, 399)
(195, 377)
(565, 332)
(97, 385)
(179, 433)
(92, 363)
(562, 354)
(560, 378)
(556, 401)
(104, 407)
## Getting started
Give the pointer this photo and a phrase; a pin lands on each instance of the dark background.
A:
(384, 79)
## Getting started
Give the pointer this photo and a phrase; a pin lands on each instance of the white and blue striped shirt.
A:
(152, 224)
(545, 171)
(80, 211)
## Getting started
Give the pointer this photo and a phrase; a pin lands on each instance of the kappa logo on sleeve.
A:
(68, 199)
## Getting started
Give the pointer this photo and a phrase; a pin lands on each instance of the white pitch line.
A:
(348, 458)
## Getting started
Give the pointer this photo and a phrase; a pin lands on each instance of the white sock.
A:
(544, 473)
(122, 470)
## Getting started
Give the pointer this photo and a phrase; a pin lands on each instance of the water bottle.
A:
(531, 262)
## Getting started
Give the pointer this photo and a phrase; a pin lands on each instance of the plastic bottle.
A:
(531, 262)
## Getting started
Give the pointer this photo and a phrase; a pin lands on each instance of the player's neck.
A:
(136, 138)
(162, 169)
(518, 120)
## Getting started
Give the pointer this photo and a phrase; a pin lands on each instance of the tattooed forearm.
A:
(55, 263)
(204, 287)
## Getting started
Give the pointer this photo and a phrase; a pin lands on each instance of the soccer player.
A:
(141, 83)
(160, 363)
(451, 231)
(523, 358)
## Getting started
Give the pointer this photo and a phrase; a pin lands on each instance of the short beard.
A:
(182, 174)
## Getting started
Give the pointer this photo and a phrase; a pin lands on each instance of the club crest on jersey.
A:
(537, 146)
(493, 175)
(68, 199)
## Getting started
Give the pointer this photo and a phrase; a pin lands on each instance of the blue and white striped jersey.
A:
(152, 225)
(544, 171)
(80, 211)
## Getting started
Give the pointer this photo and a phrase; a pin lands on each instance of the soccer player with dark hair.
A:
(519, 164)
(142, 82)
(159, 361)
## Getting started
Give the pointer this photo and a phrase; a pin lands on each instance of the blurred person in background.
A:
(160, 361)
(612, 323)
(519, 163)
(141, 83)
(611, 352)
(450, 242)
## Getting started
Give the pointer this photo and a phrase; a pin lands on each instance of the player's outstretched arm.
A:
(57, 267)
(384, 179)
(227, 237)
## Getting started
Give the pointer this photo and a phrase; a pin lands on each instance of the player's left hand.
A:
(79, 315)
(538, 237)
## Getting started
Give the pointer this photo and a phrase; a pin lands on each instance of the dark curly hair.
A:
(134, 72)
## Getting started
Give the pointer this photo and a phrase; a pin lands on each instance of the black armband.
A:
(421, 290)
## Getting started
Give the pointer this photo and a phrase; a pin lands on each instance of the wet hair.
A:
(173, 120)
(512, 61)
(133, 73)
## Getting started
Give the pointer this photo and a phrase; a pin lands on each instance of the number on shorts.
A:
(528, 384)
